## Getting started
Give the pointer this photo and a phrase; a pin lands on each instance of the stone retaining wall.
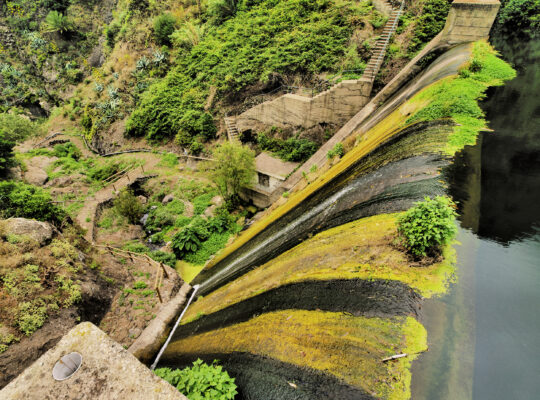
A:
(334, 106)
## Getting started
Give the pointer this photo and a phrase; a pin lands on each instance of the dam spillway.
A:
(270, 311)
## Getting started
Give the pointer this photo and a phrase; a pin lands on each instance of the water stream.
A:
(484, 335)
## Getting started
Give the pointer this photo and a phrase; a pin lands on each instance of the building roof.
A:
(274, 167)
(107, 371)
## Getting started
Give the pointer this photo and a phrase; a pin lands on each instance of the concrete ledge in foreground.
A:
(108, 371)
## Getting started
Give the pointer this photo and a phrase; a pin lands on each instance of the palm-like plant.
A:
(56, 22)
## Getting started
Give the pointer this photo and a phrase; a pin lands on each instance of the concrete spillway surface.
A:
(350, 195)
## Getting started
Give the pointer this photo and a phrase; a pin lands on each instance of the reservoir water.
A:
(484, 335)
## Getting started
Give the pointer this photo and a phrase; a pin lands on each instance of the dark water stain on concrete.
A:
(376, 298)
(263, 378)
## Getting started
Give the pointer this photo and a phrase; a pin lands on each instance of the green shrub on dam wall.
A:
(428, 226)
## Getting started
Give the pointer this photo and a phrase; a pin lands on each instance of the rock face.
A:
(41, 232)
(107, 371)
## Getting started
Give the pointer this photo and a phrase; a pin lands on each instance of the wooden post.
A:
(114, 187)
(110, 251)
(159, 295)
(142, 168)
(164, 270)
(130, 257)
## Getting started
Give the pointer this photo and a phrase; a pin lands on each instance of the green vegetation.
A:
(26, 201)
(127, 204)
(202, 381)
(56, 22)
(263, 39)
(292, 149)
(428, 226)
(521, 17)
(337, 150)
(457, 97)
(35, 284)
(429, 23)
(233, 170)
(164, 26)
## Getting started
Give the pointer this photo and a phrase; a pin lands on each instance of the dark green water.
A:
(484, 336)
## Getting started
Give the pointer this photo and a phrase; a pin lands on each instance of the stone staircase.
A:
(232, 130)
(374, 64)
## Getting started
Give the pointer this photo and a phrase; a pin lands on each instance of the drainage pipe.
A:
(195, 288)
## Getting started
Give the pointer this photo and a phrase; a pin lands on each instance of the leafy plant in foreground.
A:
(428, 225)
(202, 381)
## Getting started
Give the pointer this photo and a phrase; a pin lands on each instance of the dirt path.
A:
(86, 217)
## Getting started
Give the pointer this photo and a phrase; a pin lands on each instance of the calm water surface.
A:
(484, 335)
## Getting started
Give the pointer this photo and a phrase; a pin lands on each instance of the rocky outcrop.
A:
(39, 231)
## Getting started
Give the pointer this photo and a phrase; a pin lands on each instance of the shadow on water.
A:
(484, 336)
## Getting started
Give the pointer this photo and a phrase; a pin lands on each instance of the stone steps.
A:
(232, 130)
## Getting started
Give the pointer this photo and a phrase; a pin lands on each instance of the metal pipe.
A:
(153, 367)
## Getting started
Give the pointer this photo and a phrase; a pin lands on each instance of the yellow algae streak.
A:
(361, 249)
(188, 271)
(350, 348)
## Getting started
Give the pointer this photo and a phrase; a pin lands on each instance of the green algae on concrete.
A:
(348, 347)
(457, 97)
(363, 249)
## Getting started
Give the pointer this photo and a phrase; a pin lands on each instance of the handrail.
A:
(382, 52)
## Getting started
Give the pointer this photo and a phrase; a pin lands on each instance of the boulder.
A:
(35, 176)
(167, 199)
(41, 232)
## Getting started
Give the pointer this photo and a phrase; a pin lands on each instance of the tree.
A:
(233, 170)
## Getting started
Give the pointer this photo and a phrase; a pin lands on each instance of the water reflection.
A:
(484, 336)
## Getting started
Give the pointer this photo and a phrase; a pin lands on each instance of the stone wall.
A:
(334, 106)
(470, 20)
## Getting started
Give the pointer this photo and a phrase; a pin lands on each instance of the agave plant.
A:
(142, 63)
(113, 92)
(158, 57)
(98, 88)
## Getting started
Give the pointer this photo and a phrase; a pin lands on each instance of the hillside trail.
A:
(87, 214)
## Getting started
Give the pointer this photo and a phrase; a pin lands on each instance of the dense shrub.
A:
(26, 201)
(6, 153)
(427, 226)
(111, 32)
(67, 150)
(429, 23)
(202, 381)
(219, 10)
(15, 128)
(164, 26)
(129, 206)
(292, 149)
(267, 37)
(520, 16)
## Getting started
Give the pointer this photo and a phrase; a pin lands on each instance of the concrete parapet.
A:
(470, 20)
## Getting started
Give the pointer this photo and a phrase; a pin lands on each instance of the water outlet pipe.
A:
(153, 367)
